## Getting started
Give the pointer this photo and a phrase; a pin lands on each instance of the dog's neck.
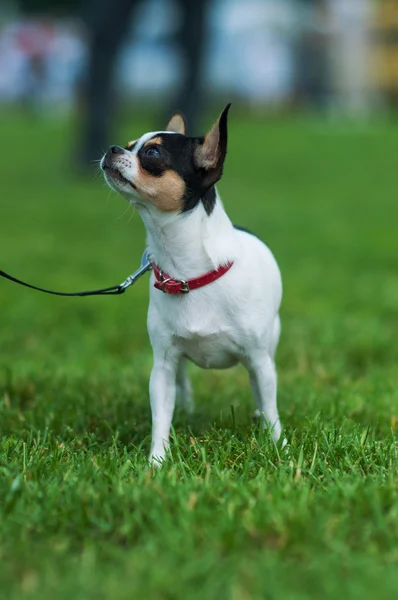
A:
(189, 244)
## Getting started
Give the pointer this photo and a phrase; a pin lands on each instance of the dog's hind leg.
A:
(263, 381)
(184, 388)
(276, 331)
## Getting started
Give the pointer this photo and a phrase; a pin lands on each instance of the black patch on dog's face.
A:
(154, 158)
(176, 152)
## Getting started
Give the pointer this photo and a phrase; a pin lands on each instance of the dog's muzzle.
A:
(110, 155)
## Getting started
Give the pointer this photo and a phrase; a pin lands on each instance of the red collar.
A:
(178, 286)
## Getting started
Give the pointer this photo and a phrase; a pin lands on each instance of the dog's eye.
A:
(153, 151)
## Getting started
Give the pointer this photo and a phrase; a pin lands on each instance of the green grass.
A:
(230, 516)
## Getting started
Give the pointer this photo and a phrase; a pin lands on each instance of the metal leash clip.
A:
(146, 265)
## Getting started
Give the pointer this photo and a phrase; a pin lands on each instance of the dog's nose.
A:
(115, 150)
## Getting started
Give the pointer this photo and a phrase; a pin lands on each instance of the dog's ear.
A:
(211, 151)
(177, 124)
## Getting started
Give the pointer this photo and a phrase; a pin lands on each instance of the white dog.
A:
(215, 289)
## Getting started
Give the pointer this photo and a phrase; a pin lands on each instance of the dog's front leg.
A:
(162, 391)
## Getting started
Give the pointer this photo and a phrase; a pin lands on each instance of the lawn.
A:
(230, 516)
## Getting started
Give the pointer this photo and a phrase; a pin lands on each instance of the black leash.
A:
(146, 265)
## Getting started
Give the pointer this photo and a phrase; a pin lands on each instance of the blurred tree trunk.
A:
(191, 40)
(108, 22)
(313, 75)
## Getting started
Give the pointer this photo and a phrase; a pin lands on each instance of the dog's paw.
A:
(155, 460)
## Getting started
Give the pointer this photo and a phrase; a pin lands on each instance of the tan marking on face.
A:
(130, 144)
(156, 140)
(165, 192)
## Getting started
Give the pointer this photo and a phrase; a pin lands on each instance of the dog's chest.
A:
(203, 332)
(210, 351)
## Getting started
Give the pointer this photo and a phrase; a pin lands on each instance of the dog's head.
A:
(167, 169)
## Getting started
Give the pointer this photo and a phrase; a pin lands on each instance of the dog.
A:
(215, 289)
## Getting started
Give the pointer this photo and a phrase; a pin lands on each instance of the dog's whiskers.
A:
(132, 213)
(124, 212)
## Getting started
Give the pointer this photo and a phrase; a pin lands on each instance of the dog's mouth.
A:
(116, 174)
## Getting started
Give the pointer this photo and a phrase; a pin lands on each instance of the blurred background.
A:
(311, 168)
(58, 56)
